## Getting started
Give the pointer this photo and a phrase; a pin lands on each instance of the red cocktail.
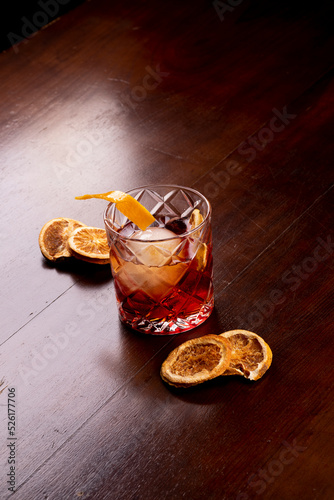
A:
(163, 276)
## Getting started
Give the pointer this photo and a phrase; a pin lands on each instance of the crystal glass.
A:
(164, 284)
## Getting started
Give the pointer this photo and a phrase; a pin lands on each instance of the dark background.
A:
(12, 26)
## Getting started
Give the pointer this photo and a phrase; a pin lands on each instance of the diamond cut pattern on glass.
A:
(174, 202)
(160, 287)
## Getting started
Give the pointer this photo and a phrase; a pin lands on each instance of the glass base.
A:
(170, 326)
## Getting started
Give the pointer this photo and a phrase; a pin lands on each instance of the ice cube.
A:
(155, 247)
(156, 282)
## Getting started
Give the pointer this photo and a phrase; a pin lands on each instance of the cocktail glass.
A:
(163, 276)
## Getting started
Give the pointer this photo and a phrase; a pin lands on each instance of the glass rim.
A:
(177, 236)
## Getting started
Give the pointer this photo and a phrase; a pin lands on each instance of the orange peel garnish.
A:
(196, 218)
(201, 257)
(125, 203)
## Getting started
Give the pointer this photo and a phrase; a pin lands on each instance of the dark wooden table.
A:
(234, 99)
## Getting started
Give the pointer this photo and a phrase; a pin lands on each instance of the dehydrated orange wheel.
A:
(53, 238)
(90, 244)
(196, 361)
(126, 204)
(251, 356)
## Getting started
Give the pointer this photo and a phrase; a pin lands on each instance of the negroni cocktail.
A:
(163, 275)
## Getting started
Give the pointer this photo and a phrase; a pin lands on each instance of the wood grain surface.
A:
(234, 99)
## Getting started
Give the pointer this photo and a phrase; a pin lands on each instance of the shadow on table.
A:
(81, 270)
(212, 391)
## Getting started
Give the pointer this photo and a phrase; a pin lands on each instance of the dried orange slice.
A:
(53, 238)
(90, 244)
(126, 204)
(196, 361)
(251, 356)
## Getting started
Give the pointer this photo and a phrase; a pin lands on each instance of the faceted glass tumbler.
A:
(163, 286)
